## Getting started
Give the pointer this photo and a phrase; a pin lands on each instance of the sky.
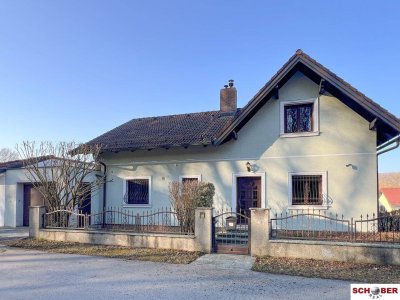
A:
(72, 70)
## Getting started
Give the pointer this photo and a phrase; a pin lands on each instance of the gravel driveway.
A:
(27, 274)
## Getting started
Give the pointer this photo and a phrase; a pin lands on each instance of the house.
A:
(306, 140)
(389, 180)
(17, 193)
(390, 199)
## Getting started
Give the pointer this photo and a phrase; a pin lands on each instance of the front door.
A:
(248, 194)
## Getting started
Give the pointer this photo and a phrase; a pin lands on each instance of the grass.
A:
(128, 253)
(368, 273)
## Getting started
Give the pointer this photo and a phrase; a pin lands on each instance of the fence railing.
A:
(320, 225)
(63, 218)
(163, 220)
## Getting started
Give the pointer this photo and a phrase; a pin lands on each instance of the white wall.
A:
(12, 187)
(2, 198)
(344, 138)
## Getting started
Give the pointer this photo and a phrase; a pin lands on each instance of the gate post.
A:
(260, 231)
(36, 214)
(203, 228)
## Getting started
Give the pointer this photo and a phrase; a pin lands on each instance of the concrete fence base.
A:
(200, 241)
(136, 240)
(260, 242)
(262, 245)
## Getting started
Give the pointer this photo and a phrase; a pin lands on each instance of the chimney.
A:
(228, 98)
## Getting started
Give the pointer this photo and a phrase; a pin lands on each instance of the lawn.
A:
(144, 254)
(368, 273)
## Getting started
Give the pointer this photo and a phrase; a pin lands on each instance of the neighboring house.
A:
(389, 180)
(306, 140)
(389, 187)
(17, 193)
(389, 199)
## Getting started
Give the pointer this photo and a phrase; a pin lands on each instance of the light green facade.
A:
(344, 138)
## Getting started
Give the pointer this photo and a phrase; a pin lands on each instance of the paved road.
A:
(37, 275)
(11, 233)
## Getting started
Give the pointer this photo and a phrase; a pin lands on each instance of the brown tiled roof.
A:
(216, 128)
(166, 131)
(389, 180)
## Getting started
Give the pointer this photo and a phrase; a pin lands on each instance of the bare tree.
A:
(63, 173)
(186, 196)
(6, 154)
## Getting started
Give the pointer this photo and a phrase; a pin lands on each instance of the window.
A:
(299, 118)
(137, 191)
(190, 178)
(307, 189)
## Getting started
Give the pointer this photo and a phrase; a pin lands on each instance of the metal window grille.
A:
(137, 191)
(298, 118)
(307, 190)
(189, 180)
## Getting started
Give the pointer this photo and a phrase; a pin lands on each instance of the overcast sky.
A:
(71, 70)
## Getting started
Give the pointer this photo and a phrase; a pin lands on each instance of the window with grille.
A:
(189, 180)
(298, 118)
(137, 191)
(306, 190)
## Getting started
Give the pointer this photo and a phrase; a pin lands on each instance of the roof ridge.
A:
(175, 115)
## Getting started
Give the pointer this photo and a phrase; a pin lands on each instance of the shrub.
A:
(186, 196)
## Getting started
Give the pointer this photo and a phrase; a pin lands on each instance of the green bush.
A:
(206, 195)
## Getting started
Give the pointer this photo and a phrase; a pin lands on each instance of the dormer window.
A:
(299, 118)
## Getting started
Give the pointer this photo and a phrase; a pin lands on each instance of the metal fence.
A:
(230, 228)
(63, 218)
(163, 220)
(320, 225)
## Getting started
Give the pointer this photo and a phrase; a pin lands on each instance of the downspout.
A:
(104, 191)
(380, 150)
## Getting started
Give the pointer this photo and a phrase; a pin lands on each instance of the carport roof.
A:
(17, 164)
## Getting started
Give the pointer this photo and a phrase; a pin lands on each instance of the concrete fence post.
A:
(36, 214)
(203, 228)
(259, 231)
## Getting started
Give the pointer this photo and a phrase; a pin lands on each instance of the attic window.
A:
(299, 118)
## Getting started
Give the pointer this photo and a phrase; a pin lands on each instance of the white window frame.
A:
(198, 177)
(234, 188)
(315, 117)
(325, 197)
(125, 187)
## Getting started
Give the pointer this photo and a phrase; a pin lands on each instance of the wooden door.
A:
(248, 194)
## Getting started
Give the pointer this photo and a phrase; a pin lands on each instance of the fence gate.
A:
(231, 233)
